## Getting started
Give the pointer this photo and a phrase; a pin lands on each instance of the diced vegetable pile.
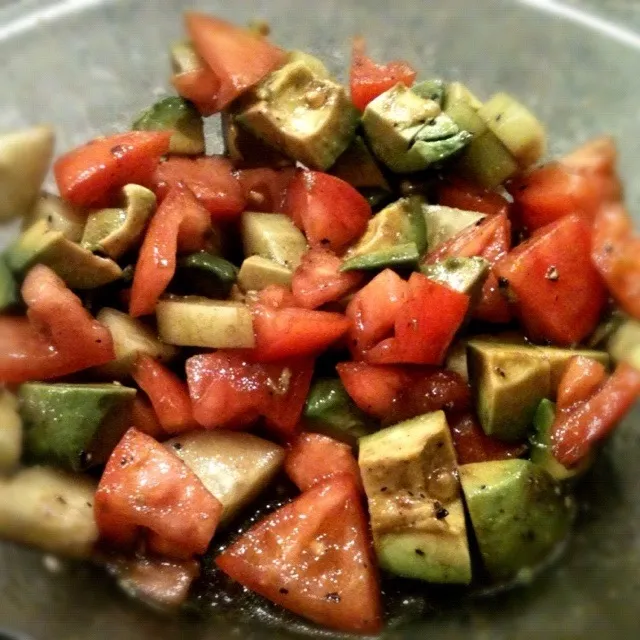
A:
(381, 293)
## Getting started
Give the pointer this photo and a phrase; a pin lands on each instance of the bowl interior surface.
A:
(87, 66)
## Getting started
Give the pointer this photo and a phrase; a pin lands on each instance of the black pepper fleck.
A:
(284, 592)
(333, 597)
(420, 552)
(503, 283)
(440, 511)
(177, 446)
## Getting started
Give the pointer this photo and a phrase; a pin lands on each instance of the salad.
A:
(372, 345)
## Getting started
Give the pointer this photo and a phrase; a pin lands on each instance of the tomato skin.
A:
(229, 391)
(59, 336)
(318, 280)
(265, 189)
(144, 418)
(146, 486)
(325, 572)
(168, 394)
(559, 294)
(425, 325)
(473, 445)
(276, 296)
(294, 333)
(157, 259)
(373, 310)
(616, 255)
(239, 58)
(200, 86)
(579, 428)
(460, 194)
(314, 458)
(210, 178)
(89, 175)
(330, 211)
(396, 393)
(580, 379)
(368, 80)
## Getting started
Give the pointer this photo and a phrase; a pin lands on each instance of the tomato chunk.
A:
(168, 394)
(294, 333)
(146, 488)
(460, 194)
(580, 379)
(318, 280)
(473, 445)
(396, 393)
(559, 295)
(144, 418)
(200, 86)
(577, 430)
(325, 571)
(59, 336)
(368, 80)
(330, 211)
(314, 458)
(265, 189)
(239, 58)
(230, 391)
(616, 255)
(210, 178)
(89, 175)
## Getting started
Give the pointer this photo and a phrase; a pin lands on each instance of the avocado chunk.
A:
(516, 127)
(466, 275)
(541, 452)
(417, 518)
(206, 275)
(624, 344)
(61, 216)
(519, 514)
(235, 467)
(191, 321)
(509, 382)
(394, 236)
(359, 168)
(179, 116)
(10, 432)
(131, 338)
(50, 510)
(301, 113)
(330, 410)
(73, 426)
(457, 92)
(558, 358)
(25, 157)
(273, 236)
(409, 133)
(77, 266)
(116, 231)
(431, 90)
(8, 287)
(257, 273)
(443, 223)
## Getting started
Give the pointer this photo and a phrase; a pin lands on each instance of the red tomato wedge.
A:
(265, 189)
(200, 86)
(231, 392)
(294, 333)
(373, 310)
(238, 57)
(157, 260)
(59, 336)
(331, 212)
(559, 295)
(616, 255)
(396, 393)
(313, 557)
(460, 194)
(146, 488)
(276, 296)
(580, 379)
(318, 280)
(425, 325)
(144, 418)
(314, 458)
(210, 178)
(89, 175)
(168, 394)
(368, 80)
(473, 445)
(576, 431)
